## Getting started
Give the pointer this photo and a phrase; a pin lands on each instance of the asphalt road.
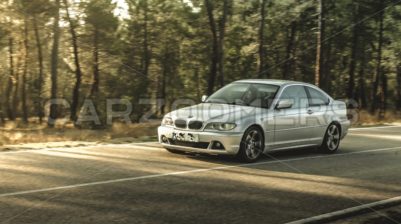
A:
(142, 183)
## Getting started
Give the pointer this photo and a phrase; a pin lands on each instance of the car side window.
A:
(316, 98)
(297, 95)
(264, 95)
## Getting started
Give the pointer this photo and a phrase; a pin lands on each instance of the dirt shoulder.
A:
(15, 137)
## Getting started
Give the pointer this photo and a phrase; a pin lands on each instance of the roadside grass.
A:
(364, 118)
(17, 133)
(14, 133)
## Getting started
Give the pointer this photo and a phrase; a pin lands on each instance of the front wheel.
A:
(252, 145)
(332, 139)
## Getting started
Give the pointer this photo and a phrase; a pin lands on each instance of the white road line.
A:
(348, 212)
(185, 172)
(381, 127)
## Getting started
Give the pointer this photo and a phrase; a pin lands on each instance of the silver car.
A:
(250, 117)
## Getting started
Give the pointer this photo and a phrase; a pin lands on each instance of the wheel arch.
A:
(257, 126)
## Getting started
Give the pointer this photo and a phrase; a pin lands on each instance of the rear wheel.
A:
(252, 145)
(332, 139)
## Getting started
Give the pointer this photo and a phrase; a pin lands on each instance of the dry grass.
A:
(13, 133)
(364, 118)
(17, 133)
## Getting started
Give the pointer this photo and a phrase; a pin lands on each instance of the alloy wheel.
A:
(253, 145)
(333, 138)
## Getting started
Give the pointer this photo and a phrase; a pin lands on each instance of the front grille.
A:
(195, 125)
(180, 124)
(198, 145)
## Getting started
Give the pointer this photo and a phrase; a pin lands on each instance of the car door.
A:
(288, 129)
(317, 119)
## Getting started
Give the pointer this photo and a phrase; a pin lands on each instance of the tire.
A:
(332, 139)
(252, 145)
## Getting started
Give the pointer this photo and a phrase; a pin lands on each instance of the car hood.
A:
(209, 112)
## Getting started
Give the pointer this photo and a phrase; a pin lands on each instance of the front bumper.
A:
(229, 141)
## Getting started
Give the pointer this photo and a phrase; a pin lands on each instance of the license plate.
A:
(185, 137)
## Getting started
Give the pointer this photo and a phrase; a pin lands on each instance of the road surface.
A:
(142, 183)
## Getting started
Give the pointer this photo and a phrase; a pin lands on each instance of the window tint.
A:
(297, 95)
(264, 95)
(317, 98)
(249, 94)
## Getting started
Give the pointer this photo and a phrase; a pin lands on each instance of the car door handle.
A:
(310, 111)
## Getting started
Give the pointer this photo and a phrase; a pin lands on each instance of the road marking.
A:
(67, 187)
(384, 127)
(349, 211)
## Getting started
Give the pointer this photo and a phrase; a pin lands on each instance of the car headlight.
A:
(168, 121)
(221, 126)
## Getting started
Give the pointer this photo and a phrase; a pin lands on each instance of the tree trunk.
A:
(376, 82)
(327, 65)
(164, 93)
(96, 72)
(15, 98)
(222, 33)
(399, 87)
(215, 48)
(162, 89)
(319, 47)
(2, 119)
(54, 65)
(383, 96)
(361, 83)
(146, 41)
(24, 74)
(11, 81)
(198, 80)
(40, 112)
(78, 72)
(2, 106)
(262, 50)
(289, 58)
(94, 92)
(354, 49)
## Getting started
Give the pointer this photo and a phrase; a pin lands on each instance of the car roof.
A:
(271, 81)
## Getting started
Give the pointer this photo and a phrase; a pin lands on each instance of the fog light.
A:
(217, 146)
(164, 139)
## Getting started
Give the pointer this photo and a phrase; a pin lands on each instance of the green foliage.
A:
(163, 49)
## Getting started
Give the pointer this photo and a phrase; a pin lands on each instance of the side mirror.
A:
(204, 98)
(284, 104)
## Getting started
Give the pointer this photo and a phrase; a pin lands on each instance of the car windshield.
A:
(248, 94)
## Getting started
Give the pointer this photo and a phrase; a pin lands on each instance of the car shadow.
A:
(272, 156)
